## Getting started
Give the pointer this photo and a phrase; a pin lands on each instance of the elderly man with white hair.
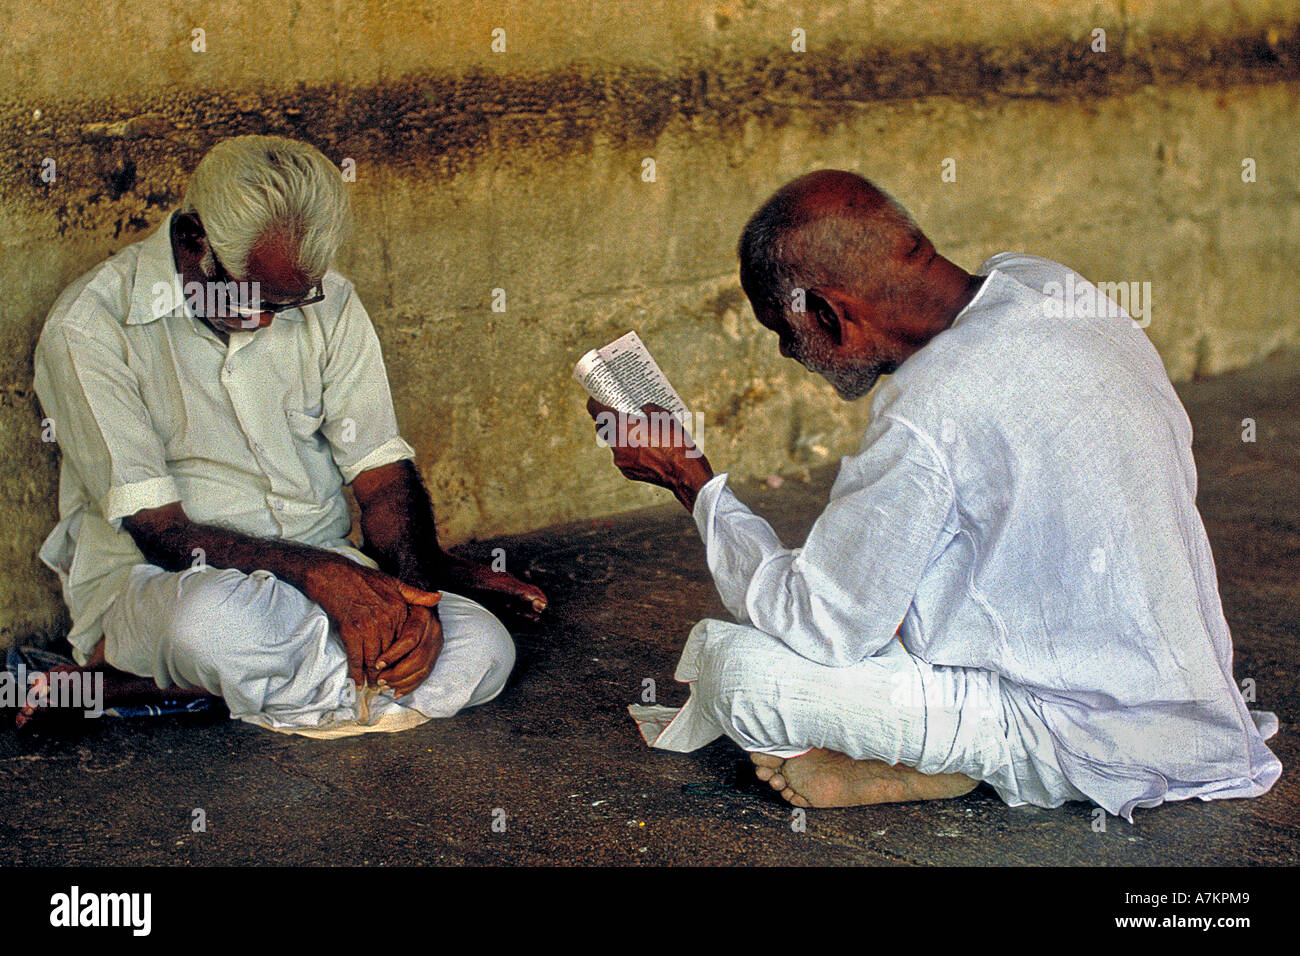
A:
(212, 389)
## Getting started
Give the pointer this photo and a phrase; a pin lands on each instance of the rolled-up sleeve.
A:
(101, 424)
(360, 423)
(843, 595)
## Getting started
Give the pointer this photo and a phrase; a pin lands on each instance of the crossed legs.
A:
(890, 728)
(272, 653)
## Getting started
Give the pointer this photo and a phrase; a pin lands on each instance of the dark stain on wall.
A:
(117, 159)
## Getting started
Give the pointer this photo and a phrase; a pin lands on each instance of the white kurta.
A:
(258, 435)
(150, 407)
(1023, 504)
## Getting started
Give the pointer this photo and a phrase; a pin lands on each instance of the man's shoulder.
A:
(1010, 358)
(1010, 335)
(100, 299)
(951, 374)
(97, 302)
(1027, 270)
(993, 355)
(337, 286)
(342, 304)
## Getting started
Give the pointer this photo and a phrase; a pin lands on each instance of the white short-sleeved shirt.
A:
(1024, 502)
(150, 407)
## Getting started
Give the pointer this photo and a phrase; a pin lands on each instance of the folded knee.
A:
(209, 615)
(497, 651)
(737, 687)
(485, 653)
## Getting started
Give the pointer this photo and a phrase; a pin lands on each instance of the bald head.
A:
(831, 228)
(846, 279)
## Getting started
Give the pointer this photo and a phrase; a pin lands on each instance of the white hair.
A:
(249, 187)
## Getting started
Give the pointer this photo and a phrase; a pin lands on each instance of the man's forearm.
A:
(184, 543)
(399, 529)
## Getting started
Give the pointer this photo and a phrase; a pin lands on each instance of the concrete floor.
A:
(558, 753)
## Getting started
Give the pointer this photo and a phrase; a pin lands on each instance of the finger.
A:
(678, 433)
(424, 658)
(408, 673)
(372, 646)
(393, 650)
(407, 638)
(356, 670)
(413, 595)
(418, 675)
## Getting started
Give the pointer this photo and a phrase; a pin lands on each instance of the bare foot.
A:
(36, 695)
(496, 589)
(824, 778)
(765, 765)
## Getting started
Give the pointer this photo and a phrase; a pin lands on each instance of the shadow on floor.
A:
(559, 755)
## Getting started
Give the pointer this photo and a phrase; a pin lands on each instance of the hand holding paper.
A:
(639, 414)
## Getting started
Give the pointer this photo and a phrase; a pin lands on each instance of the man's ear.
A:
(194, 240)
(188, 224)
(190, 232)
(827, 311)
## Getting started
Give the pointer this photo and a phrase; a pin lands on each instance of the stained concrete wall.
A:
(522, 170)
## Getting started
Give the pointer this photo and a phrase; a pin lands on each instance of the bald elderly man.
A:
(213, 387)
(1010, 583)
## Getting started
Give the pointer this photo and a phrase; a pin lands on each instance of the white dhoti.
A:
(276, 659)
(747, 685)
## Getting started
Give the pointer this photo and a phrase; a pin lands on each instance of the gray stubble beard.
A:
(850, 382)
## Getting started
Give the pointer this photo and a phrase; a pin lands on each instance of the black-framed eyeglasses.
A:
(315, 294)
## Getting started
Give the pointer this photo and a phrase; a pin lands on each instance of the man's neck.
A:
(948, 290)
(958, 290)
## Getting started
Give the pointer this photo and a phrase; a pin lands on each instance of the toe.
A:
(777, 782)
(766, 760)
(764, 773)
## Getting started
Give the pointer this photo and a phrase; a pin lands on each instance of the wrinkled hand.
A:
(378, 616)
(410, 658)
(672, 462)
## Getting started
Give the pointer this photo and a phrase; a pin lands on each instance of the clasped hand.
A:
(390, 630)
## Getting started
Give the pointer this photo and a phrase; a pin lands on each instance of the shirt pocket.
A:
(304, 424)
(313, 453)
